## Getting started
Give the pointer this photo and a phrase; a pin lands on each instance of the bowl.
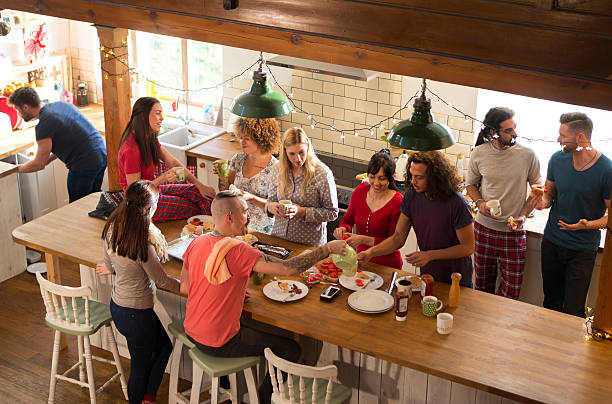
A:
(347, 261)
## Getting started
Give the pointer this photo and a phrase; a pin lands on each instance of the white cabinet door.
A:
(47, 200)
(60, 175)
(205, 174)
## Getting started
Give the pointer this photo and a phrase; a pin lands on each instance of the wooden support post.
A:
(603, 305)
(116, 93)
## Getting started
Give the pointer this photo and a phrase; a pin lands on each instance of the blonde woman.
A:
(309, 185)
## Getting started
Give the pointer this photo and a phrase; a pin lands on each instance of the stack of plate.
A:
(371, 301)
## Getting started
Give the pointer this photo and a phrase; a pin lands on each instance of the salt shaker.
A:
(454, 293)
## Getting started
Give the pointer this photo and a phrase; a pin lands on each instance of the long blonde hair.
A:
(291, 137)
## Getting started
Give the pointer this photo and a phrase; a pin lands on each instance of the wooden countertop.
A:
(23, 139)
(7, 169)
(217, 148)
(506, 347)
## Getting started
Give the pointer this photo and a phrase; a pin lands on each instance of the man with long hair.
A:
(500, 169)
(63, 132)
(441, 218)
(577, 189)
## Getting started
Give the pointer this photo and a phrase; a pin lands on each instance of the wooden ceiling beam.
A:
(458, 70)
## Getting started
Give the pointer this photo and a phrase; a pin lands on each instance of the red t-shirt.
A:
(379, 224)
(213, 312)
(130, 162)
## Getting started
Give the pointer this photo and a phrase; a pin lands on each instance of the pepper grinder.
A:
(454, 293)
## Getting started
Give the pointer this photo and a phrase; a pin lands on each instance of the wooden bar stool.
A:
(216, 367)
(177, 330)
(304, 384)
(70, 311)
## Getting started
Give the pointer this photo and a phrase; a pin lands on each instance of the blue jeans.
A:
(149, 347)
(83, 183)
(566, 277)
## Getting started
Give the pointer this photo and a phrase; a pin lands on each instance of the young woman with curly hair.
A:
(309, 184)
(250, 169)
(441, 217)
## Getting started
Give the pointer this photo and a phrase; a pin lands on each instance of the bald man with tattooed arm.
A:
(212, 318)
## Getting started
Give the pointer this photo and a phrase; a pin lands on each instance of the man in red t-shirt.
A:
(212, 318)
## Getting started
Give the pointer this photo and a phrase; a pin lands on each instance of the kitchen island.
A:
(498, 347)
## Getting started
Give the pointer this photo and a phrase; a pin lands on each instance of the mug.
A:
(431, 305)
(180, 174)
(495, 207)
(286, 204)
(222, 169)
(444, 323)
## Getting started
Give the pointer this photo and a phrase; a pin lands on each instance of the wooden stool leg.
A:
(81, 358)
(90, 371)
(233, 388)
(54, 361)
(249, 375)
(195, 384)
(110, 335)
(214, 391)
(175, 362)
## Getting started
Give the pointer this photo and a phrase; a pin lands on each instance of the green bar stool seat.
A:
(216, 367)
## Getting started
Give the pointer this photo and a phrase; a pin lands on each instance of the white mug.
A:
(495, 207)
(445, 323)
(286, 204)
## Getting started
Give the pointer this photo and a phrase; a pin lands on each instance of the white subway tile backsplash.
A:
(377, 96)
(358, 93)
(375, 145)
(322, 77)
(372, 119)
(310, 84)
(302, 73)
(466, 137)
(354, 141)
(323, 98)
(312, 108)
(396, 77)
(303, 95)
(301, 118)
(363, 154)
(296, 81)
(387, 110)
(395, 99)
(458, 148)
(345, 81)
(390, 86)
(355, 116)
(322, 145)
(332, 136)
(460, 123)
(384, 76)
(333, 88)
(344, 125)
(344, 102)
(366, 106)
(342, 150)
(333, 112)
(315, 133)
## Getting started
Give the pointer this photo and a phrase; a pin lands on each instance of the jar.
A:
(427, 282)
(402, 297)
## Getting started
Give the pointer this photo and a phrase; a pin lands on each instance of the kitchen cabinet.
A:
(60, 175)
(13, 255)
(205, 173)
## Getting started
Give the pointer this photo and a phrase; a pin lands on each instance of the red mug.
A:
(427, 282)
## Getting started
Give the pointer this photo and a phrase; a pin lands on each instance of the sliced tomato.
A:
(332, 266)
(324, 271)
(328, 261)
(339, 270)
(359, 282)
(333, 274)
(345, 236)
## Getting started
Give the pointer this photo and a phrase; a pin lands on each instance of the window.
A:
(175, 64)
(538, 120)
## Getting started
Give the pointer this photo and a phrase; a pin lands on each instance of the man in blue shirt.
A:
(578, 187)
(63, 132)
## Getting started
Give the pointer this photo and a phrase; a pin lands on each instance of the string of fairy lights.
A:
(383, 125)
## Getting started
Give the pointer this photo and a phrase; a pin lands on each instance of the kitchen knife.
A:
(390, 288)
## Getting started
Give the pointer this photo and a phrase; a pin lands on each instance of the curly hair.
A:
(442, 178)
(264, 132)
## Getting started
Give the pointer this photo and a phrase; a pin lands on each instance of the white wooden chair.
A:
(70, 311)
(315, 384)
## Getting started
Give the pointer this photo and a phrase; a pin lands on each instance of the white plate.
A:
(349, 281)
(177, 248)
(202, 218)
(371, 301)
(272, 291)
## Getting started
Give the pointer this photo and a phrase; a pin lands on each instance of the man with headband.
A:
(500, 169)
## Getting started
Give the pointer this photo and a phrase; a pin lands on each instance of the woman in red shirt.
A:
(139, 155)
(374, 210)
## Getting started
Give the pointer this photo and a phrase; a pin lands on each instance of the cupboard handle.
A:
(202, 165)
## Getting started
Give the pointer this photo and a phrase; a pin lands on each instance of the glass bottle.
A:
(402, 297)
(454, 292)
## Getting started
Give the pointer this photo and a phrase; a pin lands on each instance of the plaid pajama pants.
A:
(180, 201)
(504, 248)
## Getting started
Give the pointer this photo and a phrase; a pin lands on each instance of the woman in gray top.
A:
(133, 248)
(309, 184)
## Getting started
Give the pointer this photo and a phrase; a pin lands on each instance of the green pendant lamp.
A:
(261, 101)
(421, 132)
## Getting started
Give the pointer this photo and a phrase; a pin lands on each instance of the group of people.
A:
(216, 266)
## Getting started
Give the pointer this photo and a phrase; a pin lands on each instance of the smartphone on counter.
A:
(330, 294)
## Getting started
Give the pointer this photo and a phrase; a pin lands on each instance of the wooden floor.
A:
(26, 347)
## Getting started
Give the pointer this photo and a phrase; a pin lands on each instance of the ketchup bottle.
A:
(402, 297)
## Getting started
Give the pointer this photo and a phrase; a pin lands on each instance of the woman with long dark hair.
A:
(374, 210)
(139, 155)
(133, 249)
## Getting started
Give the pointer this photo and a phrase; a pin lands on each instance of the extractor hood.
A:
(354, 73)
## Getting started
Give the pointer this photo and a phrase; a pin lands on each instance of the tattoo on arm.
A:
(304, 261)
